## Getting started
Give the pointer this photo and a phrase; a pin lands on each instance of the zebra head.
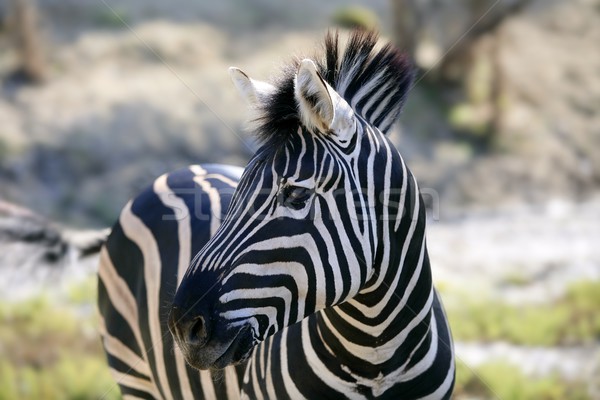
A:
(304, 228)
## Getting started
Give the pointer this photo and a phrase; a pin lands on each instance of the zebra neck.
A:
(386, 327)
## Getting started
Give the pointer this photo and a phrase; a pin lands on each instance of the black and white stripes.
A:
(144, 259)
(316, 284)
(373, 80)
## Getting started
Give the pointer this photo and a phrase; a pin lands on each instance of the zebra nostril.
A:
(198, 331)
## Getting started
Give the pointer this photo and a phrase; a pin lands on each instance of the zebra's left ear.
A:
(252, 90)
(320, 106)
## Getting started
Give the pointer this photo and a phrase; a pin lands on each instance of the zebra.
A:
(316, 282)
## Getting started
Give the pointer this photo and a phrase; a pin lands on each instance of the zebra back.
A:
(144, 259)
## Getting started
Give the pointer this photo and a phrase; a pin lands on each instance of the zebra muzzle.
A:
(192, 330)
(205, 346)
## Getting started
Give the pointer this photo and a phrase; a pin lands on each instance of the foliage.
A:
(48, 351)
(84, 292)
(517, 278)
(500, 380)
(570, 320)
(72, 376)
(111, 18)
(469, 119)
(352, 17)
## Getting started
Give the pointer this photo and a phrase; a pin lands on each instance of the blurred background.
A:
(502, 129)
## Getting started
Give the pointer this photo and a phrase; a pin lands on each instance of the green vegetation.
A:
(353, 17)
(84, 292)
(517, 279)
(500, 380)
(571, 320)
(469, 119)
(48, 351)
(111, 18)
(75, 377)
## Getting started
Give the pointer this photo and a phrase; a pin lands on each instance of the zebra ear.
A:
(252, 91)
(320, 105)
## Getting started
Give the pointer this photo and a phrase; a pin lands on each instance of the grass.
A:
(517, 279)
(50, 349)
(73, 377)
(47, 351)
(84, 293)
(569, 321)
(501, 380)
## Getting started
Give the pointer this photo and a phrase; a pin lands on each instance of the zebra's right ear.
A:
(252, 91)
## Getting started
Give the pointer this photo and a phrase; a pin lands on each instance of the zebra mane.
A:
(374, 81)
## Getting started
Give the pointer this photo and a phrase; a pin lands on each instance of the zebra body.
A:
(317, 283)
(141, 264)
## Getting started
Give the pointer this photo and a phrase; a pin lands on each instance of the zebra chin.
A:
(218, 352)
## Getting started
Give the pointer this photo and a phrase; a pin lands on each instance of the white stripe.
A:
(384, 352)
(364, 90)
(293, 269)
(377, 308)
(288, 382)
(255, 385)
(321, 370)
(170, 199)
(373, 99)
(139, 233)
(443, 388)
(391, 117)
(407, 241)
(277, 293)
(207, 385)
(184, 382)
(301, 156)
(117, 349)
(383, 104)
(182, 215)
(215, 203)
(349, 75)
(247, 314)
(387, 248)
(224, 254)
(428, 360)
(120, 297)
(261, 359)
(199, 170)
(305, 241)
(134, 382)
(231, 381)
(403, 190)
(270, 385)
(332, 259)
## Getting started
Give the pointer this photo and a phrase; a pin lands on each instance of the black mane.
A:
(360, 64)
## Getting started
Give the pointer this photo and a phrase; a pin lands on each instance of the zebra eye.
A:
(294, 197)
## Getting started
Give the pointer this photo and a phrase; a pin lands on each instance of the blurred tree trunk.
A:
(415, 20)
(28, 41)
(486, 18)
(457, 45)
(405, 22)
